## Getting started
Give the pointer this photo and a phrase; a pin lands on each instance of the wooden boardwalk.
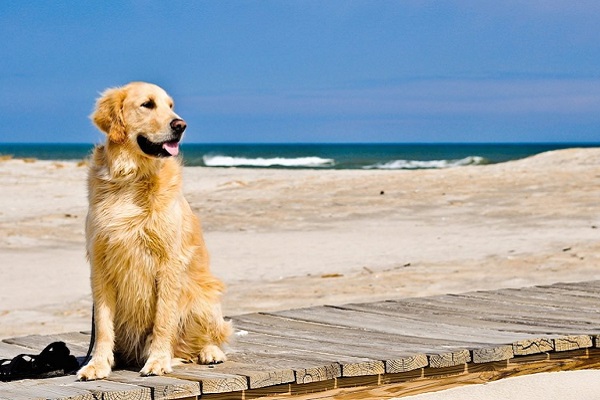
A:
(379, 350)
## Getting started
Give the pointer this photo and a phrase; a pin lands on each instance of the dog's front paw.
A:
(211, 354)
(157, 366)
(94, 370)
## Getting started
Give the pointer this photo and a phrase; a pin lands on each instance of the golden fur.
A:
(154, 296)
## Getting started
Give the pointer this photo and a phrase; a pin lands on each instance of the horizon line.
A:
(333, 143)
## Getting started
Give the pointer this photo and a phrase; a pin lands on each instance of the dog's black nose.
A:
(178, 126)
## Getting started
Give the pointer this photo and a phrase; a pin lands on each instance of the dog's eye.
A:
(149, 104)
(171, 106)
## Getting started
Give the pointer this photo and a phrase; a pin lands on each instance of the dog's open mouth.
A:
(162, 149)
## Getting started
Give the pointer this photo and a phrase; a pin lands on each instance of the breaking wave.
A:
(432, 164)
(299, 162)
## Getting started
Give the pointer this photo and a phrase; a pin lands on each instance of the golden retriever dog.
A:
(154, 296)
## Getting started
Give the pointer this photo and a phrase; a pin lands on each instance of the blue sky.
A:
(309, 71)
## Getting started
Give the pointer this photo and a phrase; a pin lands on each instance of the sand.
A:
(283, 238)
(563, 385)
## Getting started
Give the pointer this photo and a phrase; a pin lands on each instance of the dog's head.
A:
(140, 116)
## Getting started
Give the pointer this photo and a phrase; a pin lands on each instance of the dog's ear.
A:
(109, 114)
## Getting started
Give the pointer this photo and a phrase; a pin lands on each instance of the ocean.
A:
(318, 156)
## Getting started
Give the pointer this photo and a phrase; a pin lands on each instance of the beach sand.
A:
(295, 238)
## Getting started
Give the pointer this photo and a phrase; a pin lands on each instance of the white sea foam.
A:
(432, 164)
(227, 161)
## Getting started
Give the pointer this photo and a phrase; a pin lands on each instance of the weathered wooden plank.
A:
(52, 388)
(163, 387)
(38, 343)
(401, 325)
(589, 283)
(449, 359)
(567, 343)
(559, 301)
(363, 369)
(285, 327)
(368, 351)
(260, 371)
(395, 364)
(406, 364)
(490, 309)
(11, 350)
(495, 317)
(257, 359)
(309, 341)
(306, 349)
(583, 289)
(592, 287)
(326, 334)
(210, 381)
(526, 304)
(268, 353)
(34, 342)
(318, 373)
(554, 297)
(532, 346)
(252, 376)
(107, 390)
(484, 330)
(491, 354)
(511, 318)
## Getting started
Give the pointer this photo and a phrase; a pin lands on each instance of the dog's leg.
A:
(218, 332)
(204, 333)
(166, 322)
(211, 354)
(103, 358)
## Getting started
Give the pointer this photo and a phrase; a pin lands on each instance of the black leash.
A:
(55, 360)
(92, 340)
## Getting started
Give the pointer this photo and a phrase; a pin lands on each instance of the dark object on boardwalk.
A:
(54, 360)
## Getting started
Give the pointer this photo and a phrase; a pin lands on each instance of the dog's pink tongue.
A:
(172, 148)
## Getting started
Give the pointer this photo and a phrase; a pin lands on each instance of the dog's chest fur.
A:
(137, 226)
(140, 217)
